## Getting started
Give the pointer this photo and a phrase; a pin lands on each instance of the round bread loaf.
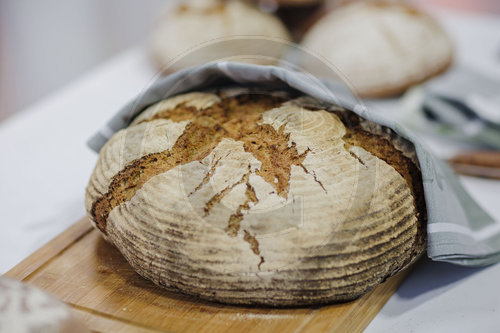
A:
(243, 197)
(26, 309)
(182, 36)
(381, 48)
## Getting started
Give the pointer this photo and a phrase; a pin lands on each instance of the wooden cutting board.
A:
(90, 275)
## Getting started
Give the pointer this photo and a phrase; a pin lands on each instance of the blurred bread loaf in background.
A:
(182, 37)
(380, 48)
(25, 308)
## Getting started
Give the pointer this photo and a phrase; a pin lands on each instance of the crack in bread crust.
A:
(233, 226)
(238, 118)
(254, 245)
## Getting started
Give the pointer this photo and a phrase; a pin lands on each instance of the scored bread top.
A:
(225, 194)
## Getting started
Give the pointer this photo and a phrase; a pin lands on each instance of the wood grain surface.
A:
(82, 269)
(477, 163)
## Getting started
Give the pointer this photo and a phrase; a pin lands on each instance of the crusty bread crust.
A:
(396, 90)
(381, 48)
(186, 34)
(259, 199)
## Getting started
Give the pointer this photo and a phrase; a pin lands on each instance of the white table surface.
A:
(45, 167)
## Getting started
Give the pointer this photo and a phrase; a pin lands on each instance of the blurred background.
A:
(45, 44)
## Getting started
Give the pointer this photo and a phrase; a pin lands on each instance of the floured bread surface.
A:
(381, 49)
(251, 198)
(183, 35)
(27, 309)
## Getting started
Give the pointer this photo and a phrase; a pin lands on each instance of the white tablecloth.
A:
(45, 167)
(46, 164)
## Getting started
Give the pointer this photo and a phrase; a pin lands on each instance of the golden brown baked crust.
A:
(259, 199)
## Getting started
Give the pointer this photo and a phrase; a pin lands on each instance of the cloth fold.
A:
(459, 230)
(462, 104)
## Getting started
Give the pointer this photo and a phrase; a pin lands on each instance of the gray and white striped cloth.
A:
(463, 104)
(459, 230)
